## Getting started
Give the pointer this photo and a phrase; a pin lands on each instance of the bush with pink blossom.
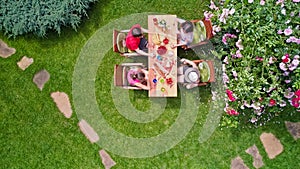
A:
(259, 44)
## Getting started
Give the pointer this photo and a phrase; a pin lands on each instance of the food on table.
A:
(162, 50)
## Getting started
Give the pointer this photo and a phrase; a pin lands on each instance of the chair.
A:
(202, 33)
(211, 70)
(119, 44)
(120, 75)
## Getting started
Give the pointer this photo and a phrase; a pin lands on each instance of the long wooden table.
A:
(163, 66)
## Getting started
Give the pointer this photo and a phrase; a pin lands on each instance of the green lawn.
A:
(35, 135)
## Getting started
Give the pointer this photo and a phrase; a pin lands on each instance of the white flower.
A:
(250, 1)
(231, 12)
(262, 2)
(282, 66)
(239, 44)
(283, 11)
(295, 62)
(296, 57)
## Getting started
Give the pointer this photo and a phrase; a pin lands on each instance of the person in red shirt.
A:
(135, 40)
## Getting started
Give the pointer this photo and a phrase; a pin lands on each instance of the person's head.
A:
(137, 32)
(187, 26)
(193, 77)
(139, 76)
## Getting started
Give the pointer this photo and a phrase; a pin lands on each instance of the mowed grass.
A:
(35, 135)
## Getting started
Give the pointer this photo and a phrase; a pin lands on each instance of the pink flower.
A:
(238, 54)
(282, 103)
(239, 44)
(272, 102)
(288, 31)
(297, 93)
(208, 15)
(262, 2)
(286, 73)
(282, 66)
(234, 74)
(259, 58)
(230, 111)
(285, 58)
(287, 81)
(296, 102)
(230, 95)
(216, 28)
(296, 0)
(213, 6)
(279, 32)
(227, 35)
(288, 93)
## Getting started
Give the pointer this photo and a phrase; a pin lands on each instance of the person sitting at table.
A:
(138, 77)
(188, 74)
(135, 40)
(185, 34)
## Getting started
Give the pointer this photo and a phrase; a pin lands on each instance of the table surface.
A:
(163, 66)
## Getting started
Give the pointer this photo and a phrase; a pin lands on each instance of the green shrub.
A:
(40, 16)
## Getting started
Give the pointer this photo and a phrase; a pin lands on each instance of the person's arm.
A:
(142, 86)
(186, 61)
(139, 51)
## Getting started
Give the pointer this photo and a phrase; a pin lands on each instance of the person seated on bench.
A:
(135, 40)
(138, 77)
(188, 74)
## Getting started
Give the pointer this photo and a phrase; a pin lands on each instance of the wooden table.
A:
(163, 66)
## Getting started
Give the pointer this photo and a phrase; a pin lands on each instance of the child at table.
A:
(135, 40)
(188, 74)
(138, 77)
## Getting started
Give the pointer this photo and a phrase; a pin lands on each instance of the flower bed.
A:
(259, 43)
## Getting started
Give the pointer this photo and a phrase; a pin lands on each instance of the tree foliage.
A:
(39, 16)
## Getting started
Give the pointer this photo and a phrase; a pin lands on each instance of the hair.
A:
(136, 32)
(140, 76)
(187, 26)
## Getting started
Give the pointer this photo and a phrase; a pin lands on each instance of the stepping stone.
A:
(6, 51)
(238, 163)
(41, 78)
(25, 62)
(88, 131)
(272, 145)
(107, 161)
(257, 158)
(294, 129)
(63, 103)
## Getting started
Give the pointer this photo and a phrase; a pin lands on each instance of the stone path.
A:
(257, 158)
(294, 129)
(63, 103)
(88, 131)
(25, 62)
(41, 78)
(5, 50)
(238, 163)
(107, 161)
(271, 144)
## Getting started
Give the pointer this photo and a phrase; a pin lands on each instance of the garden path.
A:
(5, 50)
(272, 145)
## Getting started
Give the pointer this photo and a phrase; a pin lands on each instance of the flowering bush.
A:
(259, 42)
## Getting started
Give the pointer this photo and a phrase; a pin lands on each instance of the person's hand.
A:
(183, 61)
(152, 55)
